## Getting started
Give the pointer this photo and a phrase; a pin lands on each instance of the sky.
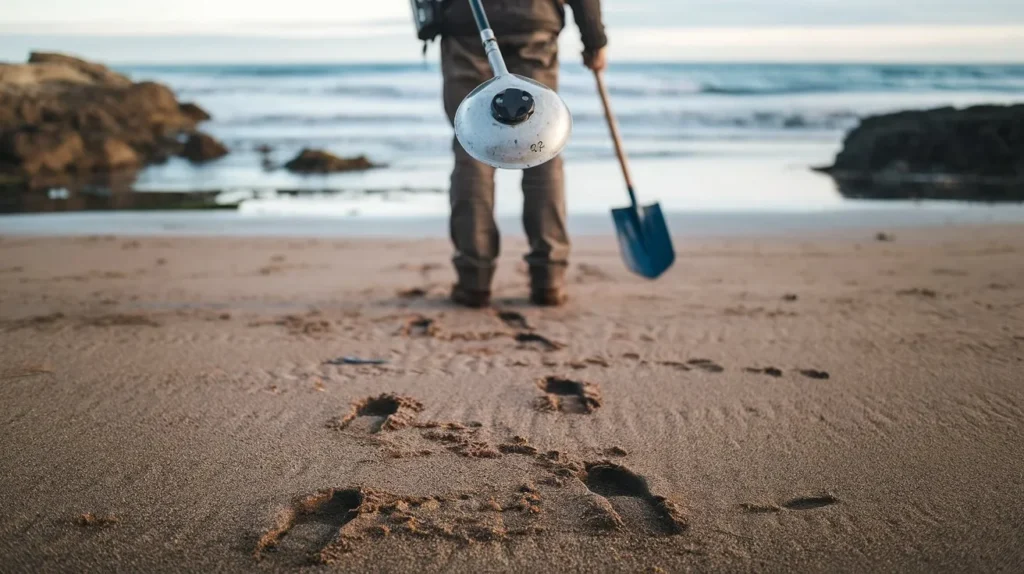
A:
(186, 31)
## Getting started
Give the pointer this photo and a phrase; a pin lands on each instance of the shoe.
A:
(550, 297)
(470, 298)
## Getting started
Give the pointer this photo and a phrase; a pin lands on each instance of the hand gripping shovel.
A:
(643, 236)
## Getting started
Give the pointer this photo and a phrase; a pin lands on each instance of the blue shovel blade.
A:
(644, 240)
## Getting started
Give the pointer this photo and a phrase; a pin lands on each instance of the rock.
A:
(154, 104)
(201, 148)
(318, 161)
(62, 117)
(98, 73)
(972, 153)
(41, 150)
(193, 112)
(33, 75)
(114, 154)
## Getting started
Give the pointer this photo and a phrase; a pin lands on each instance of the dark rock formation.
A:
(317, 161)
(190, 110)
(201, 148)
(61, 117)
(975, 153)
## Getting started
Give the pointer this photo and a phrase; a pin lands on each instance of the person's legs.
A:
(544, 185)
(474, 233)
(544, 222)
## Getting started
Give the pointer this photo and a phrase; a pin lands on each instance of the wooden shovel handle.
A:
(613, 125)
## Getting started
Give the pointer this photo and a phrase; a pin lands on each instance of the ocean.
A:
(701, 136)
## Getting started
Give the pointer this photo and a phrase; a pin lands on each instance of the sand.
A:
(800, 403)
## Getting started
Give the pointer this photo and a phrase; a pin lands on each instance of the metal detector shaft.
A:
(488, 38)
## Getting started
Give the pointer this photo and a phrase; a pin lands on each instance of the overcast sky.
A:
(347, 30)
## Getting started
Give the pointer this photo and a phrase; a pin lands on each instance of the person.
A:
(527, 32)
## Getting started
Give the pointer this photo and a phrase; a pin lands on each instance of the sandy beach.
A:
(789, 403)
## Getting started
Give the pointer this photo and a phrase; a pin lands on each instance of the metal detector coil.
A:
(509, 121)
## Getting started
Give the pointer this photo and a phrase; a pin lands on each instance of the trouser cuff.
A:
(547, 277)
(475, 278)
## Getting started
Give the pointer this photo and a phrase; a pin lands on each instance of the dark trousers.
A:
(474, 232)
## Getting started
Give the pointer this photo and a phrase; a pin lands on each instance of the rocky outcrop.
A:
(64, 117)
(97, 73)
(318, 161)
(973, 153)
(194, 112)
(201, 148)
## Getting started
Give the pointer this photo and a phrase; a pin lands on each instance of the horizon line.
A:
(631, 62)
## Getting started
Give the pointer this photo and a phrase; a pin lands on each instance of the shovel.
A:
(643, 235)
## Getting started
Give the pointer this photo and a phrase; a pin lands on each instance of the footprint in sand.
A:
(420, 326)
(309, 324)
(630, 504)
(918, 292)
(770, 371)
(412, 293)
(120, 320)
(706, 365)
(810, 502)
(324, 527)
(310, 530)
(461, 440)
(386, 412)
(675, 365)
(815, 374)
(616, 451)
(515, 320)
(801, 503)
(539, 342)
(567, 396)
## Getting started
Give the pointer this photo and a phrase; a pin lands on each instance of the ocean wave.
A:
(338, 119)
(197, 91)
(753, 119)
(666, 121)
(389, 92)
(410, 81)
(276, 70)
(363, 91)
(755, 86)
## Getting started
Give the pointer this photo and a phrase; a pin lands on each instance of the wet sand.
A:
(776, 404)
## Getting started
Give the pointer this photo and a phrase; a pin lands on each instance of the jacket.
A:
(525, 17)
